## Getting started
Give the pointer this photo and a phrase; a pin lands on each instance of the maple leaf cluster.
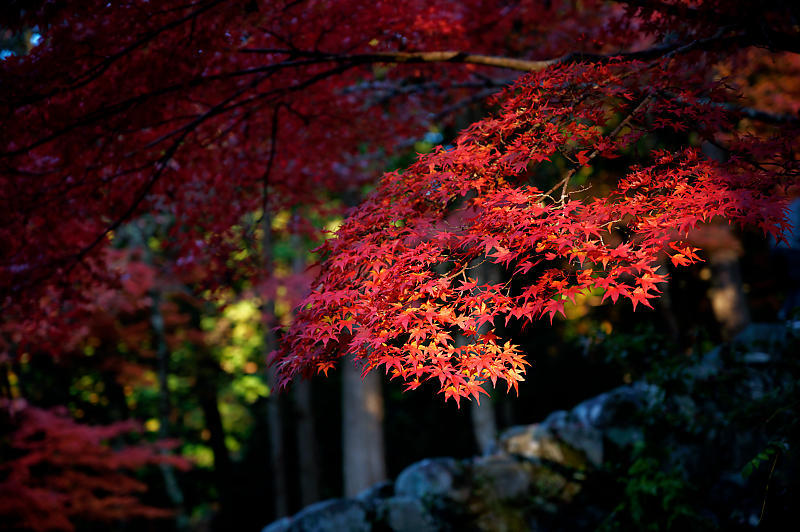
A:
(217, 114)
(397, 286)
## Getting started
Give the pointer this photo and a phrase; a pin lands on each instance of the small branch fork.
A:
(564, 183)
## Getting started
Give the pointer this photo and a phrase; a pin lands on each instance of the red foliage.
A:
(397, 288)
(56, 471)
(205, 112)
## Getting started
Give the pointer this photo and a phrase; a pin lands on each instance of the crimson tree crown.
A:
(209, 111)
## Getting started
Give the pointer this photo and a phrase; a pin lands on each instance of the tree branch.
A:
(523, 65)
(351, 60)
(756, 24)
(564, 182)
(747, 112)
(95, 71)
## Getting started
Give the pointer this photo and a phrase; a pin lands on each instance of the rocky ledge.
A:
(584, 468)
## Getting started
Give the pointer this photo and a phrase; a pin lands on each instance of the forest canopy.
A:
(462, 169)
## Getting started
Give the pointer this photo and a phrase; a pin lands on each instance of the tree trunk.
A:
(484, 424)
(363, 460)
(362, 429)
(205, 390)
(274, 418)
(159, 336)
(308, 471)
(727, 294)
(162, 353)
(276, 450)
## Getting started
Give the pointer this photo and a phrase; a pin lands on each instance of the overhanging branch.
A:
(523, 65)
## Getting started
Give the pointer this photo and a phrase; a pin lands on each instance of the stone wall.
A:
(569, 472)
(534, 473)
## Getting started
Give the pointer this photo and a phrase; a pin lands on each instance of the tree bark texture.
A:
(364, 460)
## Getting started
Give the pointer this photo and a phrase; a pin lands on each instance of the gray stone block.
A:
(334, 515)
(432, 478)
(405, 514)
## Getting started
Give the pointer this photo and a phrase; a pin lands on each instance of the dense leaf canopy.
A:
(218, 113)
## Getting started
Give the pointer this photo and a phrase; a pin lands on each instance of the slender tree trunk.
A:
(363, 450)
(207, 395)
(274, 419)
(206, 391)
(171, 485)
(727, 293)
(277, 449)
(484, 423)
(162, 353)
(667, 311)
(308, 470)
(362, 429)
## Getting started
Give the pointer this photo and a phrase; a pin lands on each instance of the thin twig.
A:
(565, 180)
(273, 141)
(766, 487)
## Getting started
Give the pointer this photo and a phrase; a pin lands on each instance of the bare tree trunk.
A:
(484, 423)
(727, 294)
(308, 470)
(362, 429)
(306, 444)
(162, 353)
(276, 449)
(274, 418)
(171, 485)
(363, 460)
(205, 389)
(666, 309)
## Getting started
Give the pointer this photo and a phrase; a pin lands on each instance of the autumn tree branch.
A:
(160, 166)
(759, 28)
(523, 65)
(564, 182)
(747, 112)
(96, 70)
(342, 62)
(300, 58)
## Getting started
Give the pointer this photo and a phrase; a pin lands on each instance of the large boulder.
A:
(577, 438)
